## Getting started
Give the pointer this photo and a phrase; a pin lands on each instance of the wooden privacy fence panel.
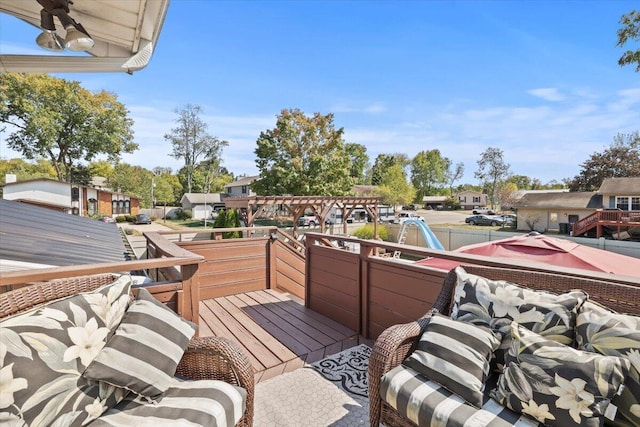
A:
(288, 269)
(231, 266)
(333, 285)
(397, 293)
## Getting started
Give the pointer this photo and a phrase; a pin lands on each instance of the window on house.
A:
(553, 217)
(476, 199)
(92, 207)
(622, 203)
(635, 203)
(114, 207)
(127, 207)
(121, 207)
(244, 189)
(228, 190)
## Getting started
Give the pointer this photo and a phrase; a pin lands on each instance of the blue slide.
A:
(430, 238)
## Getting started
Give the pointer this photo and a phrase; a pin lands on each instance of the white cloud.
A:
(375, 108)
(548, 94)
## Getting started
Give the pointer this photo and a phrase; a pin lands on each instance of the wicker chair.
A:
(398, 341)
(212, 358)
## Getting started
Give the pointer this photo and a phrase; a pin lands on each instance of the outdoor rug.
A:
(330, 392)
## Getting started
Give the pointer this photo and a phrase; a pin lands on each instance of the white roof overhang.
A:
(125, 33)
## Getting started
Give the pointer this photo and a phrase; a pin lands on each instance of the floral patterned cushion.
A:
(556, 384)
(602, 331)
(44, 352)
(497, 303)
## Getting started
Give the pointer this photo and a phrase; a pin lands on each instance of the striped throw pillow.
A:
(143, 354)
(456, 355)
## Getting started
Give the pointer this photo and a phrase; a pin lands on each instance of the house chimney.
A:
(10, 178)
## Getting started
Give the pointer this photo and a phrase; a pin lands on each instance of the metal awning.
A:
(125, 33)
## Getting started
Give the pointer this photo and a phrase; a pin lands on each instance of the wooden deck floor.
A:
(279, 333)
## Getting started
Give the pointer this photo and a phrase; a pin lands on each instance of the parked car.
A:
(107, 219)
(484, 220)
(403, 216)
(142, 219)
(308, 221)
(483, 211)
(509, 219)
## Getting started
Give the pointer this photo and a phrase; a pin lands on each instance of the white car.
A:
(403, 216)
(483, 211)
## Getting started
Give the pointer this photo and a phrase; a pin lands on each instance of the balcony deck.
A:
(278, 332)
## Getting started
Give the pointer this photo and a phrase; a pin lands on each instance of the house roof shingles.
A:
(575, 200)
(621, 186)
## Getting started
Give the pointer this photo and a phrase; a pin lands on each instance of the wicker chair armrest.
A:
(218, 358)
(392, 346)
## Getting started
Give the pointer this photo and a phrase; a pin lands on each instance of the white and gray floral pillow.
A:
(600, 330)
(44, 352)
(497, 303)
(556, 384)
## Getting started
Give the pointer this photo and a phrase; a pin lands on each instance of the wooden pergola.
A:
(321, 206)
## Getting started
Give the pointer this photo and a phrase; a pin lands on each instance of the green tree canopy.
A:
(132, 180)
(359, 161)
(629, 31)
(394, 188)
(26, 170)
(303, 156)
(492, 169)
(58, 120)
(385, 161)
(621, 159)
(428, 172)
(192, 143)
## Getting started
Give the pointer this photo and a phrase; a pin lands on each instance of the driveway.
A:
(154, 226)
(432, 217)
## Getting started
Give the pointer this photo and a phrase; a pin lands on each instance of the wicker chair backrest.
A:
(39, 293)
(617, 296)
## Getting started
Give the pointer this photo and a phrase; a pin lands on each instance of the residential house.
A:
(202, 204)
(621, 193)
(241, 187)
(71, 198)
(433, 202)
(547, 211)
(470, 199)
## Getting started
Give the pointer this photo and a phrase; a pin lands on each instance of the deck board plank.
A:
(279, 334)
(304, 323)
(245, 335)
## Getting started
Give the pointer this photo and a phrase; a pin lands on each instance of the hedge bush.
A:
(366, 232)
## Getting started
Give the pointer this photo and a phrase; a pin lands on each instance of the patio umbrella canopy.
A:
(548, 250)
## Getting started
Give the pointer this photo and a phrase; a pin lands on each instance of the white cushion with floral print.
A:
(45, 350)
(497, 303)
(600, 330)
(556, 384)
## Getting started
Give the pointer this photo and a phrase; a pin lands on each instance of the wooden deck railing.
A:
(612, 218)
(368, 293)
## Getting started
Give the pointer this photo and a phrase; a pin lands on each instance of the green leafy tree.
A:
(492, 169)
(382, 164)
(453, 174)
(394, 188)
(132, 180)
(303, 156)
(26, 170)
(101, 168)
(428, 172)
(522, 182)
(621, 159)
(59, 120)
(163, 190)
(191, 141)
(359, 161)
(228, 219)
(629, 31)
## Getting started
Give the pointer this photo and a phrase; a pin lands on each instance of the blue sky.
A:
(537, 79)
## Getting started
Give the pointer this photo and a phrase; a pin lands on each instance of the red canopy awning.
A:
(549, 250)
